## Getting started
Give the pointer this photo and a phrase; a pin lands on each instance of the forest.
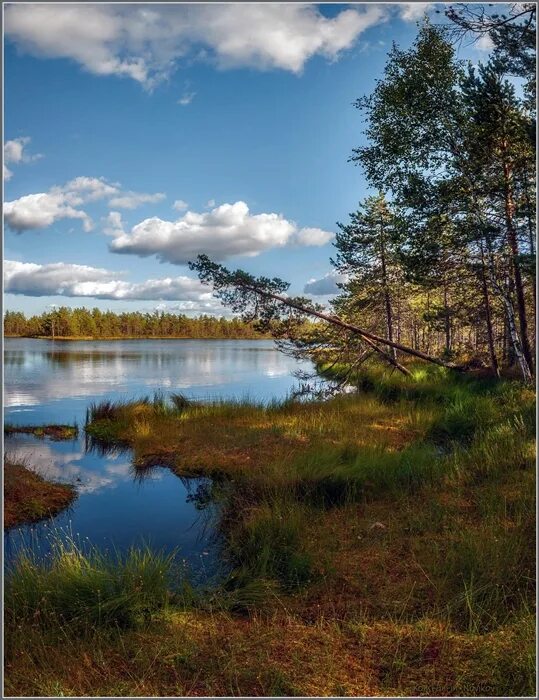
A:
(65, 322)
(440, 261)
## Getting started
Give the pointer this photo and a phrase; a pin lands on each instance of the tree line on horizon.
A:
(94, 323)
(439, 262)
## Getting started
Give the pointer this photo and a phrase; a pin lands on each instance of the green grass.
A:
(406, 511)
(88, 589)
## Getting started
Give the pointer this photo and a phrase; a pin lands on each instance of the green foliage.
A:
(268, 545)
(81, 322)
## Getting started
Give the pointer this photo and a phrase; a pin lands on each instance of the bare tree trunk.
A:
(511, 325)
(447, 321)
(488, 318)
(387, 298)
(531, 236)
(513, 245)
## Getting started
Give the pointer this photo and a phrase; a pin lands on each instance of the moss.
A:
(28, 497)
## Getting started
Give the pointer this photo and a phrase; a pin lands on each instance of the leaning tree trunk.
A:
(365, 335)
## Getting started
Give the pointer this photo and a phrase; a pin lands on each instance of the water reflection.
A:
(121, 505)
(41, 372)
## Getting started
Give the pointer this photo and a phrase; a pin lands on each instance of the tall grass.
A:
(269, 545)
(86, 589)
(445, 461)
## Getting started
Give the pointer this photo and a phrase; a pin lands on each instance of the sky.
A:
(137, 136)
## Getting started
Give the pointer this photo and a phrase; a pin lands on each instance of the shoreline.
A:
(130, 337)
(393, 525)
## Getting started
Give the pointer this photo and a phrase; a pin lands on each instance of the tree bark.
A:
(488, 318)
(447, 321)
(387, 298)
(511, 324)
(513, 246)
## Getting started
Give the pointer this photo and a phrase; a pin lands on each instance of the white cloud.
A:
(113, 224)
(210, 203)
(227, 230)
(167, 289)
(414, 11)
(484, 43)
(326, 285)
(180, 205)
(312, 237)
(131, 200)
(145, 42)
(88, 189)
(14, 152)
(69, 280)
(46, 208)
(41, 210)
(186, 98)
(42, 280)
(14, 149)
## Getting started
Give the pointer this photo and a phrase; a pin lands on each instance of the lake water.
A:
(55, 381)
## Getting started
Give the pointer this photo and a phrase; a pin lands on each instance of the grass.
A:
(28, 497)
(379, 544)
(80, 590)
(54, 432)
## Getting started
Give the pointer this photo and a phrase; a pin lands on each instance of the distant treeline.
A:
(85, 323)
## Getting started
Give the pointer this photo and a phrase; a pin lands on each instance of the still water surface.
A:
(55, 381)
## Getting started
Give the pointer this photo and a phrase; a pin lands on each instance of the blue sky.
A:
(241, 115)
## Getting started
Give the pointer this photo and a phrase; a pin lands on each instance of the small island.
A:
(29, 497)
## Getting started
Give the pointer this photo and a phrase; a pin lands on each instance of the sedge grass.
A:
(405, 511)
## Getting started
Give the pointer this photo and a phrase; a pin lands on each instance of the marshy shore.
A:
(379, 543)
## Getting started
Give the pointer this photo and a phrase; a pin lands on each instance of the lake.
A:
(55, 381)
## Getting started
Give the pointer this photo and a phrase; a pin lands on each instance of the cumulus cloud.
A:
(87, 189)
(413, 11)
(226, 231)
(312, 237)
(46, 208)
(180, 205)
(41, 210)
(14, 152)
(69, 280)
(55, 278)
(131, 200)
(325, 285)
(145, 42)
(14, 149)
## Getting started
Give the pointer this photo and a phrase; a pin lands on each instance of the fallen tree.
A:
(263, 298)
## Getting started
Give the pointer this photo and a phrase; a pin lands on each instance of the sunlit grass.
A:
(378, 543)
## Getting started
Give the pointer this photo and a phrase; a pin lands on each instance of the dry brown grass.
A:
(379, 615)
(201, 654)
(29, 497)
